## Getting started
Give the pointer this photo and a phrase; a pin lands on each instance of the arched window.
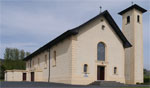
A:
(128, 19)
(115, 70)
(138, 18)
(85, 68)
(101, 51)
(103, 27)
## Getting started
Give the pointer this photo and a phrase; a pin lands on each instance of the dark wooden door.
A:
(24, 76)
(100, 73)
(32, 76)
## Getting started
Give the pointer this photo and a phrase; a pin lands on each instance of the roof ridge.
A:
(75, 31)
(132, 7)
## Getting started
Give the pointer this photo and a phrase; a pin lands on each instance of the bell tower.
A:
(132, 27)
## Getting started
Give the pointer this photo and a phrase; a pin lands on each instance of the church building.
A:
(96, 50)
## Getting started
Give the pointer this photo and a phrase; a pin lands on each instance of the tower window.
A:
(115, 70)
(128, 19)
(85, 68)
(138, 18)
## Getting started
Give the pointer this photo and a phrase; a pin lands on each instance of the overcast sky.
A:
(29, 24)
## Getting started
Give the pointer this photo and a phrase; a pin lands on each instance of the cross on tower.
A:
(100, 9)
(132, 2)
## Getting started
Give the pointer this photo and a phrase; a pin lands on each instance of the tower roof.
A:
(135, 6)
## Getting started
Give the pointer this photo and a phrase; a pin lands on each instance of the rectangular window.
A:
(29, 64)
(128, 19)
(85, 69)
(38, 61)
(46, 59)
(138, 18)
(32, 63)
(54, 58)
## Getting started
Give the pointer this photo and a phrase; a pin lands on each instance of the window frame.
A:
(38, 61)
(46, 59)
(54, 58)
(85, 68)
(128, 19)
(32, 63)
(115, 70)
(98, 56)
(138, 18)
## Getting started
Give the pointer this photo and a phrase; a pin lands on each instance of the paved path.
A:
(50, 85)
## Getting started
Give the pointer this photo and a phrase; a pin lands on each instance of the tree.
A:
(22, 54)
(16, 54)
(6, 55)
(13, 58)
(2, 69)
(27, 54)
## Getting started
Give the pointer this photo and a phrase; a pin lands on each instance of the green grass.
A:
(146, 80)
(1, 80)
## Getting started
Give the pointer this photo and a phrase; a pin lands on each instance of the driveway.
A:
(50, 85)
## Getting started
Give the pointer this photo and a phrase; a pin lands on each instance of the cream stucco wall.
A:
(85, 52)
(134, 55)
(14, 75)
(75, 51)
(61, 73)
(39, 67)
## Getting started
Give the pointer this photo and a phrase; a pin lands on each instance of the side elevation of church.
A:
(95, 50)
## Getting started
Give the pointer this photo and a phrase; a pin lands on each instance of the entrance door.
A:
(100, 72)
(32, 76)
(24, 76)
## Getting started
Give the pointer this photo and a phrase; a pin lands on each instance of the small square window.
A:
(103, 27)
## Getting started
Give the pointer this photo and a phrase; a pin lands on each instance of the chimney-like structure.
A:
(132, 27)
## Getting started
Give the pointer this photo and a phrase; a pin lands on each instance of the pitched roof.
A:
(75, 31)
(132, 7)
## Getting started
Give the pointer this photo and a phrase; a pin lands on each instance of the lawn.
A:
(146, 80)
(1, 80)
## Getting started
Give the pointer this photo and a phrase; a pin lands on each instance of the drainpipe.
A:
(49, 67)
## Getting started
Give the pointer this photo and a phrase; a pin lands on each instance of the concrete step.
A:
(107, 83)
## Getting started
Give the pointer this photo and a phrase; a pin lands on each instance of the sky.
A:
(29, 24)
